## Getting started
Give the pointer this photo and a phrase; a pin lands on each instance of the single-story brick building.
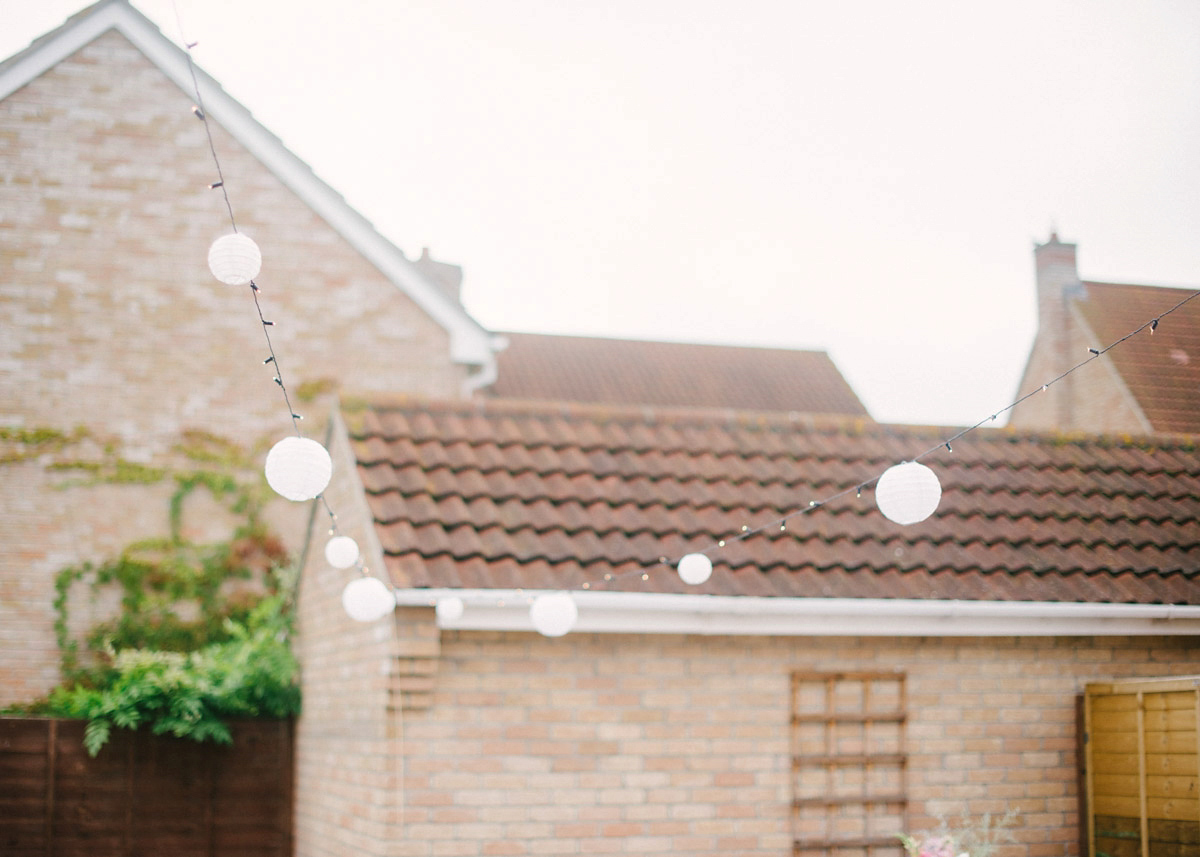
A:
(837, 679)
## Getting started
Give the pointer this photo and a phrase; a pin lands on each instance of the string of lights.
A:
(296, 468)
(300, 469)
(906, 493)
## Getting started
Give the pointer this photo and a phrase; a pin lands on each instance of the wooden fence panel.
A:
(144, 794)
(1142, 770)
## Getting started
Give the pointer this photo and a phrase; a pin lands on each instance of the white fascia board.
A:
(654, 613)
(470, 344)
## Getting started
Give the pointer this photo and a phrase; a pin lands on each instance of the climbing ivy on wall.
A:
(202, 631)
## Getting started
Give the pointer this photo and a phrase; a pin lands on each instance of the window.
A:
(848, 764)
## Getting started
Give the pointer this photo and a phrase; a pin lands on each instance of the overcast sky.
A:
(865, 178)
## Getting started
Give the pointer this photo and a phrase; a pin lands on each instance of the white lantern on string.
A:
(449, 609)
(695, 568)
(366, 599)
(341, 551)
(234, 259)
(554, 613)
(908, 493)
(298, 468)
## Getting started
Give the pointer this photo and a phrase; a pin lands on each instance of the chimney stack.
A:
(1057, 275)
(446, 276)
(1057, 285)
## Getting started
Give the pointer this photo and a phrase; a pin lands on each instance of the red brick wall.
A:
(110, 319)
(601, 744)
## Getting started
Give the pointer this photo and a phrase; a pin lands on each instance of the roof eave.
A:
(657, 613)
(470, 344)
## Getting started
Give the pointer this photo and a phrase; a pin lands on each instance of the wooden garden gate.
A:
(1141, 768)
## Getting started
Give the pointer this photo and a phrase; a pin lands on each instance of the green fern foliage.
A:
(191, 695)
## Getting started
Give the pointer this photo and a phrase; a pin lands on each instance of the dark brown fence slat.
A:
(144, 794)
(51, 759)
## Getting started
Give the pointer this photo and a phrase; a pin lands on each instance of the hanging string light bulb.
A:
(341, 551)
(298, 468)
(449, 609)
(908, 493)
(366, 599)
(554, 613)
(695, 568)
(234, 259)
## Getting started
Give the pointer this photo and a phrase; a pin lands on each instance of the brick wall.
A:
(358, 680)
(601, 744)
(109, 318)
(1095, 400)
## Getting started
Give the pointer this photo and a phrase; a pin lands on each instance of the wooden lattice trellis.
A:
(848, 763)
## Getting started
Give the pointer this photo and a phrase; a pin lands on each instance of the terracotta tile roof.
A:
(501, 494)
(1162, 369)
(631, 372)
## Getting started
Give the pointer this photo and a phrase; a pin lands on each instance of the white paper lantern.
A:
(366, 599)
(298, 468)
(341, 551)
(908, 493)
(234, 259)
(449, 609)
(695, 568)
(554, 613)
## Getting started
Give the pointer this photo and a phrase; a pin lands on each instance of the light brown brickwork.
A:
(606, 745)
(357, 679)
(110, 319)
(1094, 399)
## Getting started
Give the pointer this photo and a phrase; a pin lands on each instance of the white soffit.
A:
(469, 343)
(654, 613)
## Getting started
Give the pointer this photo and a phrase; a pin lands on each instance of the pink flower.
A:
(936, 846)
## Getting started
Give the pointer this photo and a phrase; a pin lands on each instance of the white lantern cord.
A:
(554, 613)
(298, 468)
(908, 493)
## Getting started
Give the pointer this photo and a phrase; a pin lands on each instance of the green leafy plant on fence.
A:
(190, 695)
(203, 630)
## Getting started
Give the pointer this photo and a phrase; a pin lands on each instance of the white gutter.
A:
(488, 372)
(654, 613)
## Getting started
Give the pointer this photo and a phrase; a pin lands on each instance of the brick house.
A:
(115, 339)
(1147, 385)
(836, 679)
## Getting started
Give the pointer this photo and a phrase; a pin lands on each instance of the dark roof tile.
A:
(632, 372)
(517, 495)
